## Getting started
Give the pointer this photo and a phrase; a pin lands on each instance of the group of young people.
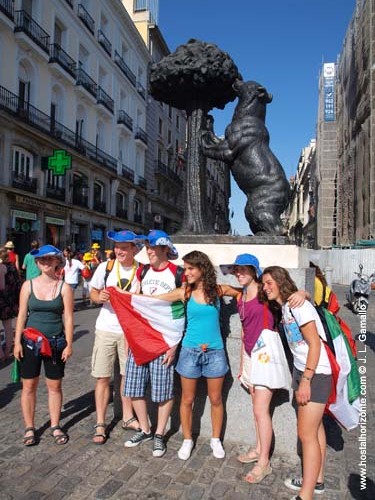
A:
(270, 295)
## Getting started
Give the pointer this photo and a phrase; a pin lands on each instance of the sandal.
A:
(248, 457)
(29, 440)
(101, 435)
(127, 427)
(61, 438)
(253, 478)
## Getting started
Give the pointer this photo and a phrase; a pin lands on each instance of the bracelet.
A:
(306, 378)
(310, 369)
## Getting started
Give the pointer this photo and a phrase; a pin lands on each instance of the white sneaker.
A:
(217, 448)
(185, 451)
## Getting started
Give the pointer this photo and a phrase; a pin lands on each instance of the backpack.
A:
(178, 276)
(108, 269)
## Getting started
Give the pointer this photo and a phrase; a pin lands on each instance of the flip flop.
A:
(127, 427)
(246, 458)
(254, 478)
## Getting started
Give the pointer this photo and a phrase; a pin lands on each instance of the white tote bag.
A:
(269, 366)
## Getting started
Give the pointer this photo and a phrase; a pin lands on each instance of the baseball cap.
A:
(157, 237)
(47, 251)
(243, 259)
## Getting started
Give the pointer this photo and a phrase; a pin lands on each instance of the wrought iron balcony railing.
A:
(56, 193)
(141, 135)
(7, 7)
(86, 82)
(122, 213)
(161, 168)
(125, 68)
(141, 90)
(127, 172)
(105, 99)
(24, 182)
(104, 42)
(142, 182)
(59, 56)
(25, 23)
(85, 17)
(138, 218)
(100, 206)
(81, 201)
(125, 119)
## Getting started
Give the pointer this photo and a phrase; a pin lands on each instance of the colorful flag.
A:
(151, 326)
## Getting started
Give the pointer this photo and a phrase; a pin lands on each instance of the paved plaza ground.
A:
(81, 470)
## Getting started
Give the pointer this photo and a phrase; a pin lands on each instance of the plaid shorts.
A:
(138, 377)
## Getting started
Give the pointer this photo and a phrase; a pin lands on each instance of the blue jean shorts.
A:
(195, 363)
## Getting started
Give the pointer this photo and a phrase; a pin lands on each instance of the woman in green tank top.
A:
(46, 304)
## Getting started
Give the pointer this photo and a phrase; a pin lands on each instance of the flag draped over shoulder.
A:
(346, 409)
(151, 326)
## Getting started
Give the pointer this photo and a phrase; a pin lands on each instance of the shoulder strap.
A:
(144, 270)
(187, 294)
(178, 276)
(108, 269)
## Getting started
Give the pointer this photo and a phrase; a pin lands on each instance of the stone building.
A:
(356, 129)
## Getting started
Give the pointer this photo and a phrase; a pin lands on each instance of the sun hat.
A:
(9, 245)
(95, 246)
(243, 259)
(122, 236)
(47, 251)
(87, 256)
(157, 237)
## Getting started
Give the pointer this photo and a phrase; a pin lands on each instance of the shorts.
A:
(106, 346)
(138, 377)
(195, 363)
(244, 377)
(30, 365)
(320, 386)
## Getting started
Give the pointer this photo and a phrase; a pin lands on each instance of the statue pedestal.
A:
(239, 421)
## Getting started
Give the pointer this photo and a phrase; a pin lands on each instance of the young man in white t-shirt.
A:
(161, 276)
(109, 336)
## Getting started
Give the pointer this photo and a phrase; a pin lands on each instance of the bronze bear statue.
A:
(257, 171)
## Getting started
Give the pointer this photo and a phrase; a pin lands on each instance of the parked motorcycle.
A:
(359, 291)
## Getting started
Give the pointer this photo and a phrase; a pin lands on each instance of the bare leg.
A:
(309, 421)
(127, 407)
(28, 400)
(54, 400)
(214, 388)
(164, 411)
(189, 386)
(140, 408)
(102, 393)
(323, 449)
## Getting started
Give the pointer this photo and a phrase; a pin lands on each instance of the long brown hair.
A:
(283, 279)
(201, 261)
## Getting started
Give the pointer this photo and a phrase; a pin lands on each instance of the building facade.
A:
(73, 101)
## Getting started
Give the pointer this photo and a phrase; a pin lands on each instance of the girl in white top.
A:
(311, 377)
(72, 269)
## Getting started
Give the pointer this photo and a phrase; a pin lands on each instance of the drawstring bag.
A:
(15, 375)
(269, 366)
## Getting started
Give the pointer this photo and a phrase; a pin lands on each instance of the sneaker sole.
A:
(158, 454)
(129, 444)
(297, 488)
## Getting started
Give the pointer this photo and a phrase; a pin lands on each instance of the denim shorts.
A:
(195, 363)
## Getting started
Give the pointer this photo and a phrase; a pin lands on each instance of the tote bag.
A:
(269, 366)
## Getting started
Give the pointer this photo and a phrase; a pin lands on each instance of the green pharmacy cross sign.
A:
(59, 162)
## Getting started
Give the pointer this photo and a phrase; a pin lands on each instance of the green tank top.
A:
(46, 315)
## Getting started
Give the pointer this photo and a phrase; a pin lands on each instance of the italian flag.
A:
(151, 326)
(346, 409)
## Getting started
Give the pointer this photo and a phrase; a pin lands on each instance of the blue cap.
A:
(157, 237)
(122, 236)
(47, 251)
(244, 259)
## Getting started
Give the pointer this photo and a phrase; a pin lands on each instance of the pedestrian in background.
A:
(72, 268)
(46, 308)
(12, 255)
(10, 284)
(86, 276)
(29, 265)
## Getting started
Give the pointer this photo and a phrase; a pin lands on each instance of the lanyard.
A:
(128, 284)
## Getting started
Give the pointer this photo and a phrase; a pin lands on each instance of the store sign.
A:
(329, 92)
(20, 214)
(96, 234)
(59, 162)
(55, 221)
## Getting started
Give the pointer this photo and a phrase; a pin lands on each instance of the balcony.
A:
(141, 90)
(125, 69)
(35, 118)
(104, 42)
(122, 213)
(138, 218)
(141, 135)
(104, 99)
(100, 206)
(59, 56)
(57, 193)
(85, 17)
(78, 199)
(26, 183)
(86, 82)
(166, 172)
(26, 24)
(142, 182)
(127, 172)
(7, 8)
(124, 119)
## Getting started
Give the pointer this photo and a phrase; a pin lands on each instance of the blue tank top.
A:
(203, 325)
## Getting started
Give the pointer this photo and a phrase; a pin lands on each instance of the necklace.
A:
(128, 284)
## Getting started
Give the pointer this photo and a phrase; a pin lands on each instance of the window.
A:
(177, 122)
(22, 163)
(160, 126)
(54, 181)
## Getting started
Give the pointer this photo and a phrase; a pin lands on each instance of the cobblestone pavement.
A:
(81, 470)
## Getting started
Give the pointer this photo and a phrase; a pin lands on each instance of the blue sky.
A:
(278, 43)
